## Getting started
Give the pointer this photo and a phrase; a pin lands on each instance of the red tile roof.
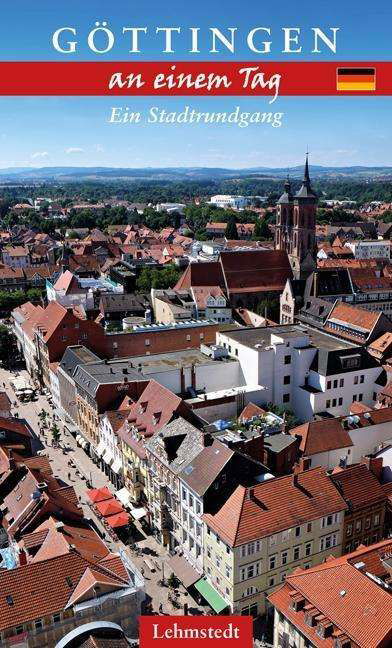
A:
(40, 589)
(359, 486)
(329, 434)
(155, 407)
(352, 316)
(258, 270)
(357, 606)
(68, 283)
(201, 274)
(322, 436)
(250, 410)
(275, 505)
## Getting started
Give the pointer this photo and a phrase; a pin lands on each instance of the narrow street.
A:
(86, 470)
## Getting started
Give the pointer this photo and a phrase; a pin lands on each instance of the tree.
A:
(55, 434)
(153, 278)
(261, 231)
(6, 345)
(231, 230)
(173, 581)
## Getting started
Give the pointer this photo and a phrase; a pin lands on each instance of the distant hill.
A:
(72, 174)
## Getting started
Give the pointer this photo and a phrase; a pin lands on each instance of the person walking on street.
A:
(160, 608)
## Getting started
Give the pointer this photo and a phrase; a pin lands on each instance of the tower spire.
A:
(306, 172)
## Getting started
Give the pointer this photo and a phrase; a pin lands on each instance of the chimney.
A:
(374, 464)
(11, 460)
(302, 464)
(22, 557)
(250, 494)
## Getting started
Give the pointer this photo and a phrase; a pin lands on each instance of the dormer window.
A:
(156, 418)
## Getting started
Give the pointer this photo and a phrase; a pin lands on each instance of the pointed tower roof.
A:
(286, 196)
(306, 190)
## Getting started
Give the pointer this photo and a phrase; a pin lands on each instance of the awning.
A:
(211, 595)
(117, 465)
(107, 457)
(183, 570)
(138, 513)
(118, 520)
(123, 495)
(101, 448)
(99, 494)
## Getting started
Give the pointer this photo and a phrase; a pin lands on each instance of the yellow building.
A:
(262, 533)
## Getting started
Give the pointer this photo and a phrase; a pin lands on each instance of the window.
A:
(283, 557)
(286, 398)
(271, 581)
(272, 540)
(227, 571)
(349, 530)
(146, 342)
(209, 552)
(340, 401)
(328, 541)
(356, 379)
(38, 624)
(287, 359)
(56, 617)
(360, 396)
(188, 338)
(282, 577)
(367, 523)
(286, 380)
(335, 384)
(376, 519)
(329, 384)
(354, 398)
(329, 520)
(308, 549)
(334, 402)
(341, 382)
(362, 378)
(374, 395)
(198, 508)
(297, 531)
(296, 553)
(272, 562)
(328, 404)
(309, 527)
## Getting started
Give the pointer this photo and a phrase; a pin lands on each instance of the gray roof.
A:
(174, 360)
(119, 302)
(74, 356)
(92, 375)
(278, 442)
(180, 441)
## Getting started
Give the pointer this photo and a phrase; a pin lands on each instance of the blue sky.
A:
(75, 131)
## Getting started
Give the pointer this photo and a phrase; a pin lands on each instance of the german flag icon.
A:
(356, 79)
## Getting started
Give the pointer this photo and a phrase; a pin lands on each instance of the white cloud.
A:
(73, 149)
(38, 155)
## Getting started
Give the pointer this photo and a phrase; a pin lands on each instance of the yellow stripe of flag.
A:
(368, 85)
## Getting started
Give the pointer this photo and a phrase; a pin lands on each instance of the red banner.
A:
(188, 78)
(196, 632)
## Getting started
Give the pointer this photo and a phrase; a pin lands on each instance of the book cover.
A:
(176, 178)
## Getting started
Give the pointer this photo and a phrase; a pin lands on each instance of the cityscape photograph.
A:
(196, 332)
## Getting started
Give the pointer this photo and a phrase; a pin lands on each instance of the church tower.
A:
(295, 230)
